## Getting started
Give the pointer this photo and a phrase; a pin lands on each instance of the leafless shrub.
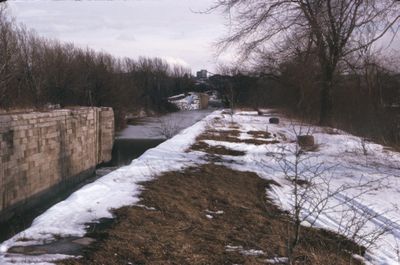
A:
(314, 194)
(168, 127)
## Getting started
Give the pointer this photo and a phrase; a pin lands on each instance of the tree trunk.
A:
(326, 101)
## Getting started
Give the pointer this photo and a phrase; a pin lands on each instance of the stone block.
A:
(50, 146)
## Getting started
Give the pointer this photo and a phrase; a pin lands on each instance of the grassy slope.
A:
(176, 229)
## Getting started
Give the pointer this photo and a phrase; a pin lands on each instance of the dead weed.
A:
(260, 134)
(215, 150)
(199, 214)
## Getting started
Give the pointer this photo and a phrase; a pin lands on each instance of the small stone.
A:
(305, 141)
(274, 120)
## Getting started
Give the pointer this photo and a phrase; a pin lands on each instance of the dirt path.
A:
(205, 215)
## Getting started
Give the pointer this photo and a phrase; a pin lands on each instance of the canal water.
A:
(147, 133)
(130, 143)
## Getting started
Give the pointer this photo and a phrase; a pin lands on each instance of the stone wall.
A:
(39, 151)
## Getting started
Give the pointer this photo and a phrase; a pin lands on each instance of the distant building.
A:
(202, 74)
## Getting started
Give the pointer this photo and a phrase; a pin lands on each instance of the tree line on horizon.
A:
(35, 72)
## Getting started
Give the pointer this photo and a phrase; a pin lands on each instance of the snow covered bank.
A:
(361, 179)
(192, 101)
(94, 201)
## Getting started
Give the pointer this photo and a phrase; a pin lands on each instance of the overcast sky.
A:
(170, 29)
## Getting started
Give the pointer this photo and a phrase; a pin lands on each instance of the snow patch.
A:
(215, 212)
(241, 250)
(277, 260)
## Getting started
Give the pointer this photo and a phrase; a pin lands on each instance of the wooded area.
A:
(35, 72)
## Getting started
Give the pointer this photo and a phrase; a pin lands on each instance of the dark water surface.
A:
(147, 133)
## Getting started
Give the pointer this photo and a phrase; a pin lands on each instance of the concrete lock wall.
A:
(41, 151)
(204, 98)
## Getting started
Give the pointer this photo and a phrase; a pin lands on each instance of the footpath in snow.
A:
(362, 179)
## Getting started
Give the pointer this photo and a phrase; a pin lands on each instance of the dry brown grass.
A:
(260, 134)
(178, 231)
(215, 150)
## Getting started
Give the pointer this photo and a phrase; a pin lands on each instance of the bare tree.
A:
(332, 28)
(8, 50)
(31, 64)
